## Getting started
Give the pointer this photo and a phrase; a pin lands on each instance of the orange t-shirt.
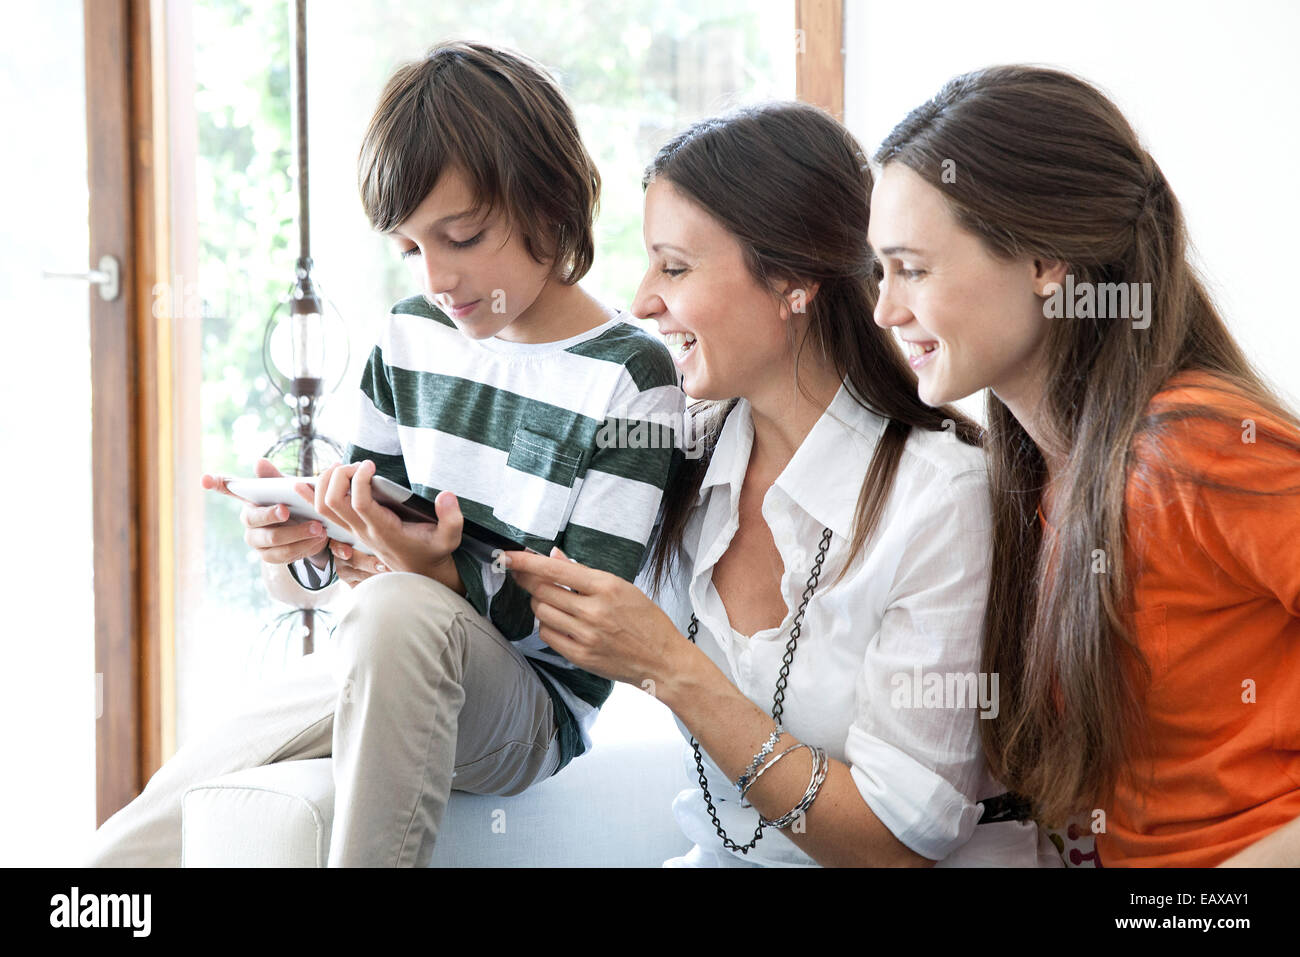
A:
(1217, 598)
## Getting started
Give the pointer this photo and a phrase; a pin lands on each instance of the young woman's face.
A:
(473, 268)
(723, 327)
(967, 320)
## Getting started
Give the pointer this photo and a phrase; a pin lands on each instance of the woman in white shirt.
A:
(850, 544)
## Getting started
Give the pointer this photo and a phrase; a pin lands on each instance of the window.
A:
(635, 73)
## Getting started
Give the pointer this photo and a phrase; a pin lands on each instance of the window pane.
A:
(635, 72)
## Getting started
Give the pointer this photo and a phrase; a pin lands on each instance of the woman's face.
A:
(967, 320)
(723, 327)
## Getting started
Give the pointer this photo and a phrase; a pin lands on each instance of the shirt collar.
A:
(825, 475)
(730, 458)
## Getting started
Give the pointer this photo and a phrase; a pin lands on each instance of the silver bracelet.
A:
(742, 782)
(754, 780)
(821, 765)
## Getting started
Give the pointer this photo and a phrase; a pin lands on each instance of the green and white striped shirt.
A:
(566, 443)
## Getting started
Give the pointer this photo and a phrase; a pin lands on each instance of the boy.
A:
(487, 394)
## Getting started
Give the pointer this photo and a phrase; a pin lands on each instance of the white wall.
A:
(1210, 87)
(48, 705)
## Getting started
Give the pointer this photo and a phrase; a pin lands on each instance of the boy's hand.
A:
(266, 528)
(343, 495)
(354, 567)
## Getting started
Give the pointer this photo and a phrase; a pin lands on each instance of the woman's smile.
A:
(920, 351)
(680, 344)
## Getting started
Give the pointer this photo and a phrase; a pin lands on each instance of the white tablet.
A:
(483, 543)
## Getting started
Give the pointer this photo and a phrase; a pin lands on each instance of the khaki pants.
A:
(425, 690)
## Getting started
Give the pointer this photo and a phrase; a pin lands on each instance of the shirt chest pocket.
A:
(536, 489)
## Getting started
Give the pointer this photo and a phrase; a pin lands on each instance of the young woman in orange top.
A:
(1144, 613)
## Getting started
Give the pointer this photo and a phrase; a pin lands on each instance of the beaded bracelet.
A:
(742, 783)
(821, 765)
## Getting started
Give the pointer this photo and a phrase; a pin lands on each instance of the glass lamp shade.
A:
(305, 347)
(292, 454)
(307, 338)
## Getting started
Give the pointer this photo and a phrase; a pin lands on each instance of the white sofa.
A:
(611, 807)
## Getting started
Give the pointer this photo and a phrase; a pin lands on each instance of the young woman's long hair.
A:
(793, 187)
(1041, 164)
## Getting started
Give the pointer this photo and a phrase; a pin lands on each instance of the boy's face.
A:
(475, 269)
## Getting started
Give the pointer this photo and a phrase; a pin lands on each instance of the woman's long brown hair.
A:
(793, 187)
(1043, 165)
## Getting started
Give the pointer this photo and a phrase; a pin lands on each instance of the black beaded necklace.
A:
(778, 699)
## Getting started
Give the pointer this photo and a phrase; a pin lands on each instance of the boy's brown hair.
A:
(503, 120)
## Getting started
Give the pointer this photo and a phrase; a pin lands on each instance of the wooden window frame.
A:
(131, 447)
(819, 54)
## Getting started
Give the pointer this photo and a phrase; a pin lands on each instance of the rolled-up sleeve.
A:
(914, 747)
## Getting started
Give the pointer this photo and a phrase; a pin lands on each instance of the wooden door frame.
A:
(819, 54)
(131, 444)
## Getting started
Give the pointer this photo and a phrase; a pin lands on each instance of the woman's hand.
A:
(598, 621)
(343, 495)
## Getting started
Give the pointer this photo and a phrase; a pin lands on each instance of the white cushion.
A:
(277, 815)
(611, 807)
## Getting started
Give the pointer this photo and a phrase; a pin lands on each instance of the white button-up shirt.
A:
(860, 685)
